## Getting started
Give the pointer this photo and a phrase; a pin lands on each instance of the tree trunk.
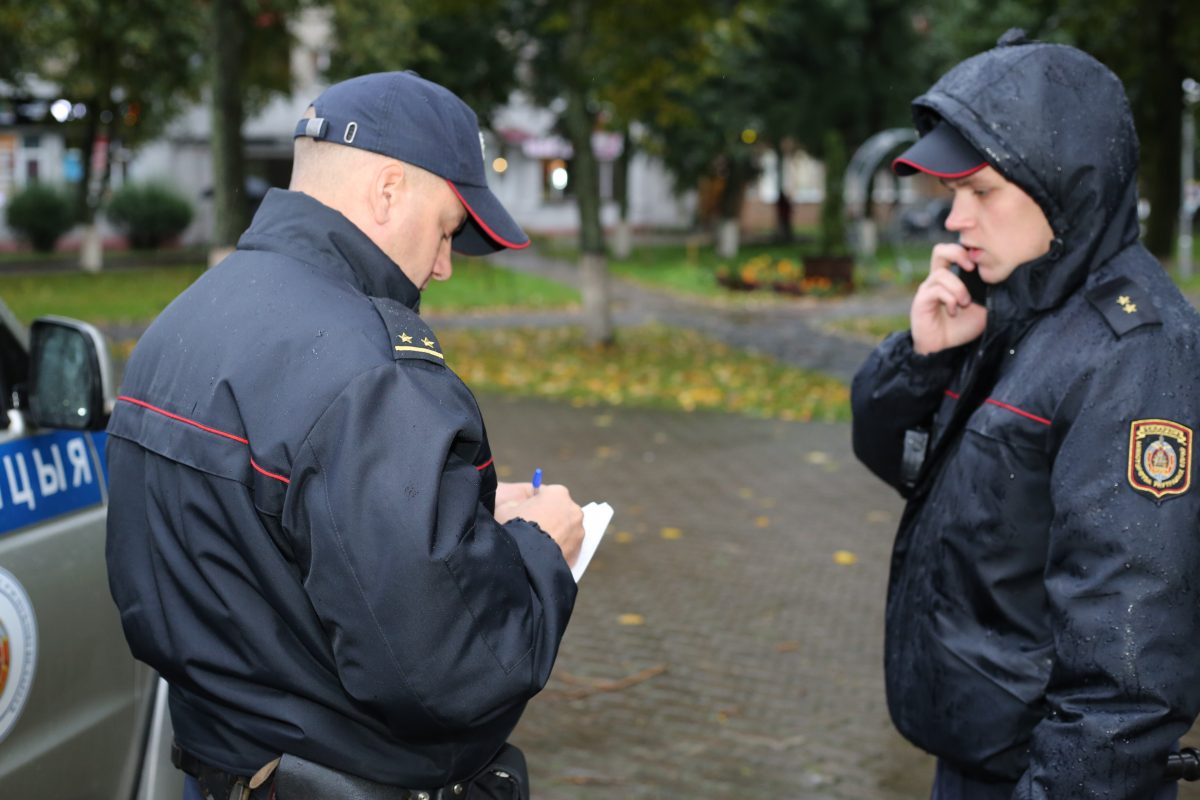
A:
(227, 38)
(832, 236)
(623, 236)
(783, 203)
(579, 124)
(87, 198)
(729, 209)
(1163, 114)
(91, 250)
(727, 237)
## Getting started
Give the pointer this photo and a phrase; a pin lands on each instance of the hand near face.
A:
(942, 314)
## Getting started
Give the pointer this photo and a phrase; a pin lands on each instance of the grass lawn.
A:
(130, 296)
(651, 366)
(106, 297)
(478, 286)
(692, 269)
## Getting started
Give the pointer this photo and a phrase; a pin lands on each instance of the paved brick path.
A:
(759, 656)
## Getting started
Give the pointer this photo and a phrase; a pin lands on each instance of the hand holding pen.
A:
(550, 507)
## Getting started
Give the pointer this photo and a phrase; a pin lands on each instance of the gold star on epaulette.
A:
(1123, 300)
(427, 342)
(404, 337)
(1132, 307)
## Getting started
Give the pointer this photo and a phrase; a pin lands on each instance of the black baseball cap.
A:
(942, 152)
(403, 116)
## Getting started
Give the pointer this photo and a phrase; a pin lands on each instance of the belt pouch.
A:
(506, 778)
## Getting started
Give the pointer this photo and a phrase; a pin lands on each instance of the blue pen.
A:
(537, 479)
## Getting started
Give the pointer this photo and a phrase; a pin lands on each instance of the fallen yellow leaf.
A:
(845, 558)
(624, 537)
(631, 619)
(762, 522)
(671, 533)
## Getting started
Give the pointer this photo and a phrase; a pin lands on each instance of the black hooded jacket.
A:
(1043, 617)
(300, 532)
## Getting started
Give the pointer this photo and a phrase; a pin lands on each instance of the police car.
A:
(78, 716)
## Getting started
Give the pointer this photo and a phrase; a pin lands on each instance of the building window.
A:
(556, 179)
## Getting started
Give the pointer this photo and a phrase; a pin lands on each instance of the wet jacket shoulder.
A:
(301, 535)
(1043, 626)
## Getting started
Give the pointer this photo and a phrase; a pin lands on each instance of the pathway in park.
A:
(792, 332)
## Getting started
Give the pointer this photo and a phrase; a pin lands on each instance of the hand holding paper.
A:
(596, 517)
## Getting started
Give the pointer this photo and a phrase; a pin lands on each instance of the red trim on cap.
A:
(927, 171)
(479, 220)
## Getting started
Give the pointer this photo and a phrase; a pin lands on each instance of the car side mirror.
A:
(69, 375)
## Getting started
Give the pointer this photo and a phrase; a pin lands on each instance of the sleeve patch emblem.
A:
(1160, 457)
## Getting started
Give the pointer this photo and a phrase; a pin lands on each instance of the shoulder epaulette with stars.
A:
(1124, 305)
(410, 336)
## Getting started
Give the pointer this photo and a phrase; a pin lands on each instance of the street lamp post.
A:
(1187, 200)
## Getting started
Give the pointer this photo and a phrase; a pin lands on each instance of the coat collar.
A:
(298, 226)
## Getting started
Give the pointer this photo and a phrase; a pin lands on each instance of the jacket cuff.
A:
(927, 372)
(542, 555)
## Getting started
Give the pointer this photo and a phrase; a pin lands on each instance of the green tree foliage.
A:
(466, 46)
(607, 62)
(828, 74)
(40, 214)
(702, 139)
(248, 47)
(132, 65)
(149, 213)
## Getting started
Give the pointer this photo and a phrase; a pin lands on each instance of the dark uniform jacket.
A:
(300, 532)
(1043, 617)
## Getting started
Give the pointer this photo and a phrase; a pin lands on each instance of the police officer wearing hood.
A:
(306, 534)
(1043, 623)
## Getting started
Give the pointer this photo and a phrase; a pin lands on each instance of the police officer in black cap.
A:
(306, 534)
(1043, 617)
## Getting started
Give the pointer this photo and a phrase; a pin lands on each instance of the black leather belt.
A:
(296, 778)
(217, 783)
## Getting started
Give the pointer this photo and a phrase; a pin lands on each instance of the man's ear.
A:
(387, 191)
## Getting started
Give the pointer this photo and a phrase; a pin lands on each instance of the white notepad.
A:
(596, 517)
